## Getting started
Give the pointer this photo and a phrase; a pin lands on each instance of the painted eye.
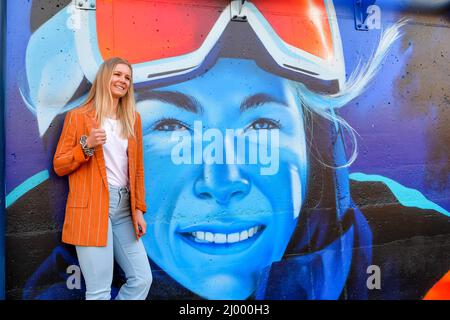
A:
(170, 125)
(264, 124)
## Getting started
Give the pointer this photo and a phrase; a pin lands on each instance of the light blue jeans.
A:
(97, 263)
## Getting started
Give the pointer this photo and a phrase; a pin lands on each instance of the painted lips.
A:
(222, 238)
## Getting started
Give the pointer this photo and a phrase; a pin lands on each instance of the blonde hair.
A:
(100, 95)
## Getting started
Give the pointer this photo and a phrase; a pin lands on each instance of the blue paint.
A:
(51, 86)
(2, 148)
(2, 145)
(26, 186)
(406, 196)
(29, 150)
(222, 198)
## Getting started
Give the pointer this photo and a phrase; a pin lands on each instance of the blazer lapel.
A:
(98, 155)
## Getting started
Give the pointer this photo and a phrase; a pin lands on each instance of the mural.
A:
(287, 155)
(2, 174)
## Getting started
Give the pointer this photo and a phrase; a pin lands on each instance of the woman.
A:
(100, 148)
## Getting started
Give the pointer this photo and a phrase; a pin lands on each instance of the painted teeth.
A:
(209, 237)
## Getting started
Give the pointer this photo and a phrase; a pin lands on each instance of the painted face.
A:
(120, 80)
(214, 225)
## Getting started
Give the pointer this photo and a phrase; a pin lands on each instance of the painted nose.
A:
(221, 183)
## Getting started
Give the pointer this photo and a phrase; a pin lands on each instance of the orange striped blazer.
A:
(87, 208)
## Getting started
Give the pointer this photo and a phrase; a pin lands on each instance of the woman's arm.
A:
(69, 154)
(140, 181)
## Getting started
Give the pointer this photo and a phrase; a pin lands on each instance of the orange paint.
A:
(301, 23)
(143, 30)
(441, 290)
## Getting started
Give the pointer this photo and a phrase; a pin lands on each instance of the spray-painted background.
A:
(312, 230)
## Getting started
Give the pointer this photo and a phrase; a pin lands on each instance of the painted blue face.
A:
(201, 216)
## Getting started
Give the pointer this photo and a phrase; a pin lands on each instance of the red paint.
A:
(145, 30)
(441, 290)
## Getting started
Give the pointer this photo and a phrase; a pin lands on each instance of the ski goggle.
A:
(164, 39)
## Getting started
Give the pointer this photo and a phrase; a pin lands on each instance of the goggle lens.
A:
(146, 30)
(303, 24)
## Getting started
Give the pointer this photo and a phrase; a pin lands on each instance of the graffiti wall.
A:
(292, 149)
(2, 173)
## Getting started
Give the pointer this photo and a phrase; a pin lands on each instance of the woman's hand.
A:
(140, 225)
(96, 137)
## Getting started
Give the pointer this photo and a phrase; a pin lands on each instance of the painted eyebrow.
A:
(257, 100)
(178, 99)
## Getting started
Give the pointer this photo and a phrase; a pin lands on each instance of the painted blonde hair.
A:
(326, 105)
(100, 95)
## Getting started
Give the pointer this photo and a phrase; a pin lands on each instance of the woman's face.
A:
(214, 223)
(120, 80)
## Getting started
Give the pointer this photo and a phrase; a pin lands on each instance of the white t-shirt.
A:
(115, 152)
